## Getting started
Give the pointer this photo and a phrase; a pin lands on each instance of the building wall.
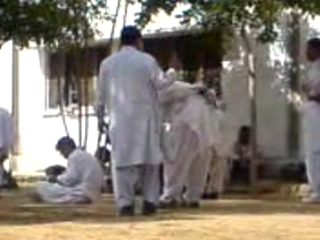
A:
(6, 76)
(39, 129)
(271, 107)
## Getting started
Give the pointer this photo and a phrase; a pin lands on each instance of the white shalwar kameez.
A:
(6, 138)
(219, 167)
(81, 182)
(311, 126)
(189, 141)
(128, 85)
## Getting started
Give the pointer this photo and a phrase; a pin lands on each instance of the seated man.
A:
(81, 182)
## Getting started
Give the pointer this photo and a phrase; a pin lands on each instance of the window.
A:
(71, 79)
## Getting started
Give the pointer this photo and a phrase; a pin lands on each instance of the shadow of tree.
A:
(17, 209)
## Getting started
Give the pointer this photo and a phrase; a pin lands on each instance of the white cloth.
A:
(176, 172)
(126, 179)
(83, 179)
(6, 131)
(183, 105)
(190, 140)
(227, 132)
(128, 85)
(218, 171)
(189, 169)
(313, 78)
(311, 128)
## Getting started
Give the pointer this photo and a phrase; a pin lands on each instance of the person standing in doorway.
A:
(128, 86)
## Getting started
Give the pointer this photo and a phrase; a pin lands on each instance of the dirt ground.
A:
(231, 218)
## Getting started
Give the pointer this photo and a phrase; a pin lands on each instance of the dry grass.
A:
(267, 218)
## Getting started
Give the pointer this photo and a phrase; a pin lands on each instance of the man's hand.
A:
(52, 178)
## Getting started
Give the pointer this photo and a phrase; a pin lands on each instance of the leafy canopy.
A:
(54, 23)
(261, 15)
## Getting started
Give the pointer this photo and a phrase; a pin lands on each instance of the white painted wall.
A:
(271, 107)
(6, 76)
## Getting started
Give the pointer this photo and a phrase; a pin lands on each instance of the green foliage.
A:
(54, 23)
(261, 15)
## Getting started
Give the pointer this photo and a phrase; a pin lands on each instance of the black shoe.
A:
(149, 208)
(127, 211)
(210, 196)
(168, 205)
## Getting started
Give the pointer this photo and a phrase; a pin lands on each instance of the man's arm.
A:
(70, 177)
(161, 79)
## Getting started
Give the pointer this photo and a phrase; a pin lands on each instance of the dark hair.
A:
(314, 43)
(65, 141)
(129, 35)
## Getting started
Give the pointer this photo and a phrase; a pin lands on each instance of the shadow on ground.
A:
(16, 208)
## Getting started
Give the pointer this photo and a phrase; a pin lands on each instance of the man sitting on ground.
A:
(80, 183)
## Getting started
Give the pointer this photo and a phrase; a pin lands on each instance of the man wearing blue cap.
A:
(128, 87)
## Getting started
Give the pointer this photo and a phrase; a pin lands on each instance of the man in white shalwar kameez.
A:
(128, 86)
(189, 141)
(82, 181)
(218, 170)
(311, 124)
(6, 140)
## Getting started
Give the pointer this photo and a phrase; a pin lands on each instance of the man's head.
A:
(313, 49)
(65, 146)
(131, 36)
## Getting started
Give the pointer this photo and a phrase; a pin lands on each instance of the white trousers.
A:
(312, 144)
(188, 169)
(58, 194)
(218, 172)
(313, 171)
(125, 180)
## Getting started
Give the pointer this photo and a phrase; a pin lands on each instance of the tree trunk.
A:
(294, 74)
(57, 69)
(252, 89)
(78, 82)
(125, 15)
(86, 103)
(114, 24)
(17, 149)
(61, 108)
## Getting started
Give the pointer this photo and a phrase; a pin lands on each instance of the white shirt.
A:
(83, 173)
(313, 77)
